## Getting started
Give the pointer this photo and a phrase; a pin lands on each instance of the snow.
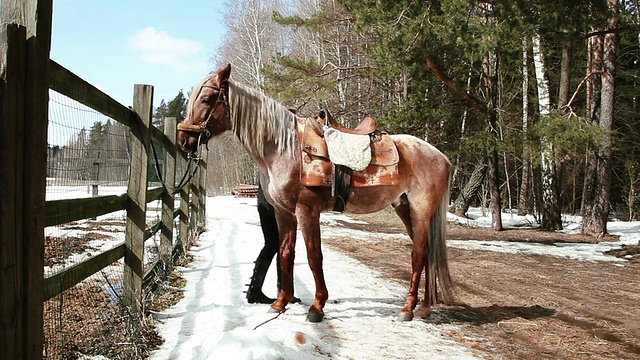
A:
(214, 320)
(629, 233)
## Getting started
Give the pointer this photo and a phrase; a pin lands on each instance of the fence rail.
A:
(25, 214)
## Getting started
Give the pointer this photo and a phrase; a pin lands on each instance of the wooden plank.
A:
(152, 230)
(163, 138)
(168, 200)
(202, 192)
(63, 211)
(152, 273)
(38, 22)
(64, 280)
(155, 194)
(183, 227)
(67, 210)
(12, 113)
(71, 85)
(137, 204)
(36, 16)
(195, 201)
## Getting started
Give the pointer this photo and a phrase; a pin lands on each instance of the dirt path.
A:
(515, 306)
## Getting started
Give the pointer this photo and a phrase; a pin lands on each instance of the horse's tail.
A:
(437, 263)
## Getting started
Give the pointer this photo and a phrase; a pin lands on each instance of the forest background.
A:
(535, 102)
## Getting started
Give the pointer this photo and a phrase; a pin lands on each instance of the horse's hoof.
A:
(423, 312)
(273, 310)
(405, 316)
(315, 317)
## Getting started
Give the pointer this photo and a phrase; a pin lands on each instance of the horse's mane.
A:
(257, 118)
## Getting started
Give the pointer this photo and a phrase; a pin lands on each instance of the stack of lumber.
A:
(244, 190)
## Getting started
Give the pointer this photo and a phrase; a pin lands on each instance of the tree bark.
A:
(563, 101)
(594, 84)
(594, 221)
(470, 190)
(525, 205)
(490, 73)
(551, 218)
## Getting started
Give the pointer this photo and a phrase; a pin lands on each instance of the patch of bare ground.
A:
(518, 306)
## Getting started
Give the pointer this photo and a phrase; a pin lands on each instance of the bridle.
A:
(203, 129)
(195, 158)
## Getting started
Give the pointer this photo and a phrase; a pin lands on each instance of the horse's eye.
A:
(206, 100)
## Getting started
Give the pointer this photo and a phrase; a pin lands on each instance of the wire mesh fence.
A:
(89, 155)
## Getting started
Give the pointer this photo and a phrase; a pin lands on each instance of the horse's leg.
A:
(424, 311)
(401, 206)
(310, 226)
(287, 226)
(417, 223)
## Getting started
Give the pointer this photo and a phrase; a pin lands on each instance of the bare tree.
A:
(253, 38)
(524, 203)
(551, 218)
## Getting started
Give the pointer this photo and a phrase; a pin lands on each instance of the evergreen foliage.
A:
(450, 72)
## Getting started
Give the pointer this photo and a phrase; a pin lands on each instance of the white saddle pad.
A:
(351, 150)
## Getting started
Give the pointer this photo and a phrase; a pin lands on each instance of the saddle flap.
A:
(313, 142)
(384, 151)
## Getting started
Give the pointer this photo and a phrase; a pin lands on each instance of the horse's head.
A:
(207, 111)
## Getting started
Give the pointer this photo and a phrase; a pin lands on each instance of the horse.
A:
(267, 130)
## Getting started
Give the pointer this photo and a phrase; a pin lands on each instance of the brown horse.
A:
(268, 132)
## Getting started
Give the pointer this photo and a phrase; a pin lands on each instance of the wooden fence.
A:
(26, 75)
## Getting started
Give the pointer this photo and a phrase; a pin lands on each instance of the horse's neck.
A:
(263, 126)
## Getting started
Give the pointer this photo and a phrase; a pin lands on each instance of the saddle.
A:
(317, 165)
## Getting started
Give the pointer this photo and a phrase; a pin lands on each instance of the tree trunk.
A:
(594, 221)
(563, 101)
(594, 84)
(461, 205)
(525, 205)
(551, 218)
(490, 68)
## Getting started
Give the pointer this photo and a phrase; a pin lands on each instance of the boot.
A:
(254, 292)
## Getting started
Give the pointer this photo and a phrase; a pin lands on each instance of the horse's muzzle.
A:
(188, 142)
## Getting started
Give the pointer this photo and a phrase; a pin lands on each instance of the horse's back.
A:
(417, 152)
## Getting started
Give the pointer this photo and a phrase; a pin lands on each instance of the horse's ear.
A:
(224, 73)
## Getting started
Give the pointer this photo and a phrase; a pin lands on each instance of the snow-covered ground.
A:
(214, 321)
(629, 233)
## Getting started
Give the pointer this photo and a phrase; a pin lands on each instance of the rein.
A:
(186, 177)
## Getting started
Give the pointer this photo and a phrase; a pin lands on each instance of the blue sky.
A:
(115, 44)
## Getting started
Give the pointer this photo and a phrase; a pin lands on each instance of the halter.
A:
(203, 129)
(200, 130)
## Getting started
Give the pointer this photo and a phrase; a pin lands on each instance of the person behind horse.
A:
(271, 247)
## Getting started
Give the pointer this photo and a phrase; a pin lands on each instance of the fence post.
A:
(184, 208)
(195, 200)
(36, 16)
(203, 192)
(168, 202)
(137, 203)
(12, 123)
